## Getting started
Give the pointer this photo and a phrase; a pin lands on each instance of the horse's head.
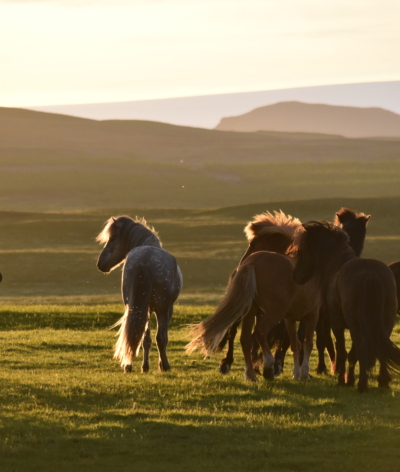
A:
(315, 247)
(114, 251)
(355, 225)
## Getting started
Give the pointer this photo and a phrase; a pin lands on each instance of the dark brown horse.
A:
(355, 225)
(263, 289)
(266, 232)
(360, 295)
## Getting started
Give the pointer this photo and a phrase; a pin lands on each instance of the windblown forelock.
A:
(104, 235)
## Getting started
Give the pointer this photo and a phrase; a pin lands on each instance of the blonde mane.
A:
(272, 223)
(104, 234)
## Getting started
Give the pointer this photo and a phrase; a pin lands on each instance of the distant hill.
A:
(206, 111)
(51, 162)
(292, 117)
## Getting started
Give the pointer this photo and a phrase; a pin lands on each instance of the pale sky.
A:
(71, 51)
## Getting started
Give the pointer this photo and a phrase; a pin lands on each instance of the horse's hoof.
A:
(128, 369)
(250, 379)
(145, 369)
(278, 369)
(268, 373)
(321, 370)
(224, 368)
(164, 368)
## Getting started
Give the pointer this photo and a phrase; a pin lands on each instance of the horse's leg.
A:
(330, 347)
(321, 344)
(301, 335)
(247, 343)
(163, 318)
(352, 358)
(227, 361)
(341, 353)
(268, 358)
(363, 380)
(295, 345)
(284, 346)
(146, 348)
(384, 378)
(310, 323)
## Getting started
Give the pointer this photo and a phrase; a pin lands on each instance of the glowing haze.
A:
(60, 52)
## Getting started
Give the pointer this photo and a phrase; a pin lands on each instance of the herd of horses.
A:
(310, 273)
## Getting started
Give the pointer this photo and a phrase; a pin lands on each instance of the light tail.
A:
(135, 319)
(235, 305)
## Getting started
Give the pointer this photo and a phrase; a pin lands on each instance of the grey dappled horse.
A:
(151, 281)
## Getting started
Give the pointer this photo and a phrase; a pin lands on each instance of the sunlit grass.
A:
(66, 405)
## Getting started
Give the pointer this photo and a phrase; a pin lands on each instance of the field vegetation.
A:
(51, 257)
(58, 163)
(66, 405)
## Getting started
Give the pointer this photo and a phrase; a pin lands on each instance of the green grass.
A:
(66, 405)
(51, 257)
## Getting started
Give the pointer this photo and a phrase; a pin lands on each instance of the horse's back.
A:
(356, 278)
(161, 266)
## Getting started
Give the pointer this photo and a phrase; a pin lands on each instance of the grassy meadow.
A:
(65, 403)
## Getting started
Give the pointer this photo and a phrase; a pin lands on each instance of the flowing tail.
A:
(378, 344)
(134, 322)
(235, 305)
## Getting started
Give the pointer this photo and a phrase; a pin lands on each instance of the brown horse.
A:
(275, 232)
(355, 225)
(266, 232)
(360, 294)
(263, 288)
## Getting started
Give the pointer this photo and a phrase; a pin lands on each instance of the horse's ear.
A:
(367, 217)
(338, 217)
(115, 222)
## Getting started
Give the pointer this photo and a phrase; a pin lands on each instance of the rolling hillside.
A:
(351, 122)
(52, 162)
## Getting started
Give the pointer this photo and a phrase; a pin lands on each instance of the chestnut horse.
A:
(266, 232)
(263, 289)
(151, 281)
(360, 294)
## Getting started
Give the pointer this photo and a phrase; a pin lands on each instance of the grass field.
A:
(51, 257)
(66, 405)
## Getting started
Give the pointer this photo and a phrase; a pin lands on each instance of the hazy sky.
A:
(71, 51)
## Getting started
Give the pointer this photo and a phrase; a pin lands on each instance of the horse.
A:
(354, 224)
(263, 289)
(151, 282)
(360, 294)
(275, 232)
(266, 232)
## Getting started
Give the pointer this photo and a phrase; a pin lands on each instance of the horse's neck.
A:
(356, 242)
(273, 243)
(151, 240)
(331, 270)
